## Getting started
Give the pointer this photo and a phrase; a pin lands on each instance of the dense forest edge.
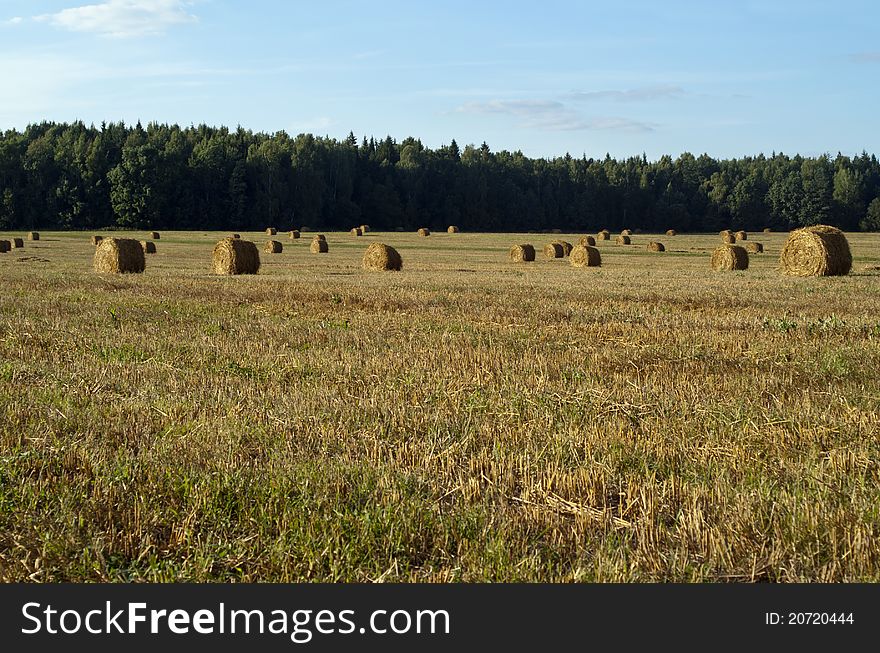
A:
(73, 176)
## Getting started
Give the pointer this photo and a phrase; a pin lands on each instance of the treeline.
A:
(73, 176)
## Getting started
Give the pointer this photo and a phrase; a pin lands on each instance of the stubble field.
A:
(466, 419)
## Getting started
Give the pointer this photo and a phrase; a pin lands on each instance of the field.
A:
(466, 419)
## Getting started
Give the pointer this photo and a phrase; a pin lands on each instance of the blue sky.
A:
(549, 77)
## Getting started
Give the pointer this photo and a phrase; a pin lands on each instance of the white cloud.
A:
(12, 21)
(632, 95)
(122, 18)
(549, 115)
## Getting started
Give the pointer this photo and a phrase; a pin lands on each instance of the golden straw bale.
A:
(817, 251)
(584, 256)
(522, 253)
(730, 257)
(119, 256)
(235, 256)
(382, 257)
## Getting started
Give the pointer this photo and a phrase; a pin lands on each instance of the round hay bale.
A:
(149, 246)
(553, 250)
(725, 232)
(365, 228)
(424, 231)
(730, 257)
(521, 253)
(754, 248)
(452, 229)
(382, 257)
(357, 232)
(818, 251)
(623, 240)
(603, 235)
(119, 256)
(728, 238)
(18, 243)
(626, 232)
(319, 246)
(97, 239)
(33, 235)
(271, 231)
(587, 241)
(741, 235)
(154, 235)
(235, 256)
(5, 246)
(584, 256)
(273, 247)
(767, 230)
(566, 247)
(671, 232)
(294, 234)
(656, 247)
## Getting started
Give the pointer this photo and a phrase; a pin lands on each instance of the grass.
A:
(467, 419)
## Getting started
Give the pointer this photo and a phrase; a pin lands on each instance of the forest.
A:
(74, 176)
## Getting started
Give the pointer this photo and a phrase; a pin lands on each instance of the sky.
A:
(550, 77)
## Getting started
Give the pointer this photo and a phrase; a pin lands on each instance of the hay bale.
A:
(18, 243)
(741, 235)
(584, 256)
(521, 253)
(365, 228)
(424, 232)
(235, 256)
(5, 246)
(452, 229)
(154, 235)
(730, 257)
(149, 246)
(357, 232)
(587, 241)
(818, 251)
(319, 246)
(566, 247)
(626, 232)
(97, 239)
(119, 256)
(754, 248)
(623, 240)
(33, 235)
(671, 232)
(767, 230)
(273, 247)
(603, 235)
(728, 238)
(271, 231)
(294, 234)
(553, 250)
(382, 257)
(656, 247)
(724, 232)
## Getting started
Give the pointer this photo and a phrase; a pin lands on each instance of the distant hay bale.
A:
(741, 235)
(656, 247)
(5, 246)
(149, 246)
(154, 235)
(566, 247)
(584, 256)
(294, 234)
(365, 228)
(587, 241)
(119, 256)
(725, 232)
(767, 230)
(603, 235)
(553, 250)
(671, 232)
(452, 229)
(522, 253)
(623, 240)
(33, 235)
(382, 257)
(626, 232)
(754, 248)
(271, 231)
(319, 246)
(357, 232)
(18, 243)
(818, 251)
(273, 247)
(728, 238)
(730, 257)
(235, 256)
(424, 231)
(97, 239)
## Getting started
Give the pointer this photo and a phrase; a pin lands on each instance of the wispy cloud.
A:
(550, 115)
(865, 57)
(122, 18)
(644, 94)
(12, 21)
